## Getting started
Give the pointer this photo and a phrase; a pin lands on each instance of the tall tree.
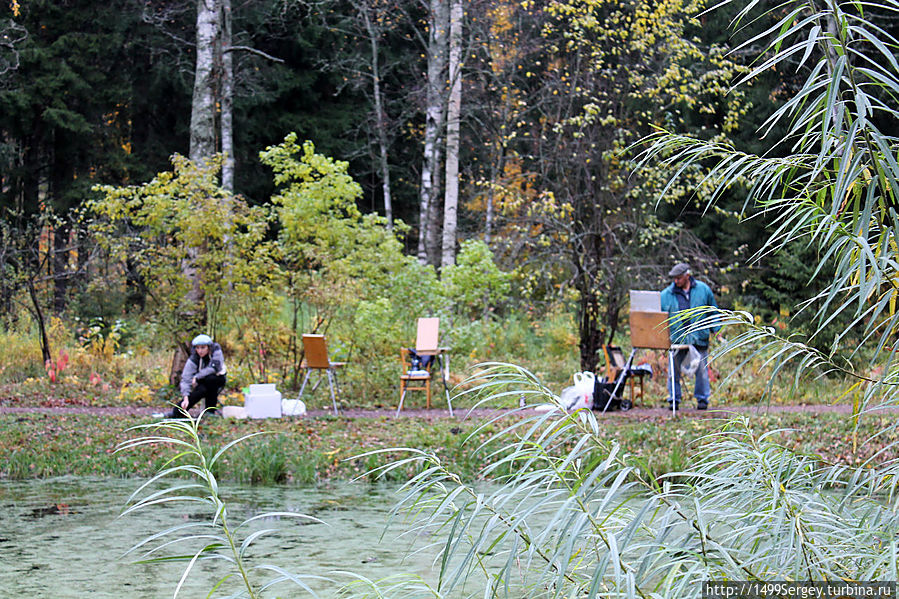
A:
(203, 106)
(65, 119)
(374, 37)
(454, 111)
(227, 96)
(435, 112)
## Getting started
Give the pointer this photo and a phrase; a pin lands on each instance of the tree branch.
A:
(253, 51)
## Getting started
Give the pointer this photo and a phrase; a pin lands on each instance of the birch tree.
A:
(374, 37)
(202, 116)
(454, 109)
(602, 74)
(434, 120)
(227, 93)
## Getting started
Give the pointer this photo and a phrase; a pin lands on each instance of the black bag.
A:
(418, 362)
(602, 392)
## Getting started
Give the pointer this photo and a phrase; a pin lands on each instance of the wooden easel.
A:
(649, 330)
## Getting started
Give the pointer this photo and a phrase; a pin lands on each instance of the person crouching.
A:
(203, 376)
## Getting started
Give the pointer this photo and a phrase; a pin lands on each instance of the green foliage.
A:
(317, 208)
(475, 284)
(180, 230)
(263, 462)
(606, 74)
(321, 228)
(832, 189)
(583, 513)
(336, 259)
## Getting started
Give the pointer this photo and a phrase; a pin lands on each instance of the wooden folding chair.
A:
(615, 367)
(414, 380)
(316, 350)
(426, 344)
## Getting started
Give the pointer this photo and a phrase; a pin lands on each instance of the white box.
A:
(263, 401)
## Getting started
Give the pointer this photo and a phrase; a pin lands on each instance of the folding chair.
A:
(618, 372)
(316, 350)
(426, 344)
(414, 380)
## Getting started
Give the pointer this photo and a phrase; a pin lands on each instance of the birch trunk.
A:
(380, 120)
(437, 45)
(227, 118)
(435, 210)
(202, 116)
(496, 170)
(454, 109)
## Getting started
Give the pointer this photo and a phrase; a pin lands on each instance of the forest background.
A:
(272, 168)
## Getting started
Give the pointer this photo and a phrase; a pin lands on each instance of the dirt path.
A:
(638, 413)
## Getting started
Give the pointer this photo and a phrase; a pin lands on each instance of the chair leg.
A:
(336, 385)
(303, 386)
(428, 393)
(332, 382)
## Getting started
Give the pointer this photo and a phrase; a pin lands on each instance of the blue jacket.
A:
(700, 295)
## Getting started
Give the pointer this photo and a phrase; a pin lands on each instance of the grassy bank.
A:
(311, 451)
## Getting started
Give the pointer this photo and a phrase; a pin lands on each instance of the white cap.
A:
(201, 340)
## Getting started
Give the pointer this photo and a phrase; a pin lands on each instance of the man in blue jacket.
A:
(683, 293)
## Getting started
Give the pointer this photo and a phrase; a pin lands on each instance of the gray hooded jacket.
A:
(212, 363)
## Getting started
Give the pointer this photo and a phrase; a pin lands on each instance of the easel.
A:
(649, 330)
(671, 374)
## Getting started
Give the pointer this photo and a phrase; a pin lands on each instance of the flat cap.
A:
(679, 269)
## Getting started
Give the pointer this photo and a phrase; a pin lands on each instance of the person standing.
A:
(203, 376)
(683, 293)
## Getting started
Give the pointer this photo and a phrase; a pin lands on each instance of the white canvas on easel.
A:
(646, 301)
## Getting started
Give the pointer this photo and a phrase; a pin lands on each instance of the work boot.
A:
(702, 405)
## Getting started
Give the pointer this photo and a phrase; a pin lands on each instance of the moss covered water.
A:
(62, 538)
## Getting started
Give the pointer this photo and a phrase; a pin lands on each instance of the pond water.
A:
(62, 538)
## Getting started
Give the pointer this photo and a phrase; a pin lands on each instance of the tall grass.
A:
(578, 516)
(188, 480)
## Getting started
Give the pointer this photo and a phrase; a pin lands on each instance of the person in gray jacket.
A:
(203, 376)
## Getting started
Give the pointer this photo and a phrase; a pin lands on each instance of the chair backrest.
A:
(614, 361)
(428, 335)
(404, 358)
(316, 349)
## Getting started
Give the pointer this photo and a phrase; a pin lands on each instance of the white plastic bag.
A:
(580, 395)
(293, 407)
(584, 381)
(234, 412)
(690, 364)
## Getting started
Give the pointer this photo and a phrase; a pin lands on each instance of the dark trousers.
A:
(207, 389)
